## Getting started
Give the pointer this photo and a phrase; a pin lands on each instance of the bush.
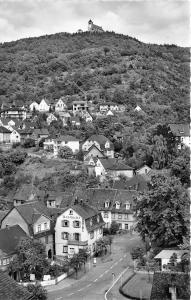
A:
(28, 143)
(65, 152)
(114, 227)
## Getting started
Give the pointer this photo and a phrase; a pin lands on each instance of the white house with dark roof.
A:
(112, 168)
(114, 205)
(65, 140)
(78, 227)
(101, 142)
(182, 133)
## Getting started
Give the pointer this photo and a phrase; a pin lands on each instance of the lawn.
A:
(139, 286)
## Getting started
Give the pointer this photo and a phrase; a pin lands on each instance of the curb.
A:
(127, 295)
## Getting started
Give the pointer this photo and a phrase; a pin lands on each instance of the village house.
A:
(86, 116)
(14, 113)
(60, 105)
(34, 106)
(78, 227)
(5, 135)
(39, 134)
(25, 134)
(75, 121)
(64, 116)
(65, 140)
(15, 136)
(143, 170)
(163, 257)
(44, 106)
(182, 133)
(10, 237)
(94, 28)
(51, 117)
(90, 163)
(35, 219)
(112, 168)
(114, 205)
(79, 105)
(101, 142)
(93, 151)
(26, 193)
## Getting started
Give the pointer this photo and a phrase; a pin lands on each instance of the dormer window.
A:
(127, 205)
(117, 205)
(106, 204)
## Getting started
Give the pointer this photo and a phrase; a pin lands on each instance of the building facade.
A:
(78, 227)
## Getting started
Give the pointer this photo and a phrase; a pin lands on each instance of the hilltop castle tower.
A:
(94, 28)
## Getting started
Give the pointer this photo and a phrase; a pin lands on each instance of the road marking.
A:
(58, 298)
(95, 280)
(114, 283)
(88, 285)
(71, 294)
(101, 276)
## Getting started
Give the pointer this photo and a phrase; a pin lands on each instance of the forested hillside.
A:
(109, 66)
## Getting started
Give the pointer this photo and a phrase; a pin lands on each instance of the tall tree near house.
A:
(160, 152)
(180, 166)
(163, 212)
(30, 258)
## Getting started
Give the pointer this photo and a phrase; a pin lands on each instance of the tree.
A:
(37, 291)
(159, 152)
(180, 166)
(28, 143)
(162, 212)
(106, 50)
(65, 152)
(30, 258)
(114, 227)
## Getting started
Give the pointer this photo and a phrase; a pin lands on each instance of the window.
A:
(98, 218)
(65, 249)
(91, 223)
(100, 231)
(65, 223)
(119, 216)
(76, 224)
(39, 228)
(45, 226)
(113, 216)
(71, 212)
(46, 239)
(64, 235)
(106, 204)
(127, 205)
(106, 215)
(126, 226)
(92, 235)
(72, 251)
(126, 216)
(76, 236)
(117, 205)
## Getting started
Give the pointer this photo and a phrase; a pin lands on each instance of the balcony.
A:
(77, 243)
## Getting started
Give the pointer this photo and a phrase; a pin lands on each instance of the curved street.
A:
(97, 280)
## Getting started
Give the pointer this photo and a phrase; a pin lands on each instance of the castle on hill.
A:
(94, 28)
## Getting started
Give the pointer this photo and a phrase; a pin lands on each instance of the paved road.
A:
(94, 284)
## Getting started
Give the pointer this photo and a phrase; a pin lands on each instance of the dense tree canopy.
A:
(163, 212)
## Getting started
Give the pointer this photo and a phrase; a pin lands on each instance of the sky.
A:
(150, 21)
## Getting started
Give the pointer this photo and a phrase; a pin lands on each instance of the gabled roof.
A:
(31, 211)
(137, 182)
(113, 164)
(100, 139)
(3, 213)
(180, 129)
(4, 130)
(93, 146)
(67, 138)
(43, 131)
(11, 290)
(167, 253)
(10, 238)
